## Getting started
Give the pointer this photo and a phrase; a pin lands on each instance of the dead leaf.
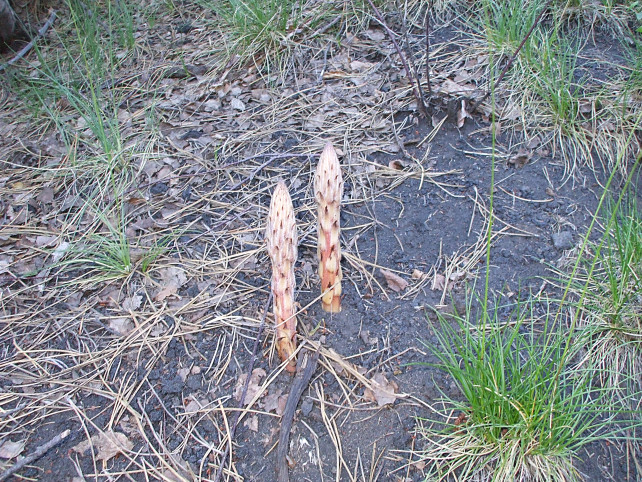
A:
(315, 121)
(174, 275)
(165, 292)
(417, 274)
(360, 66)
(438, 282)
(9, 449)
(132, 303)
(511, 112)
(42, 241)
(375, 35)
(253, 387)
(183, 373)
(534, 142)
(60, 251)
(107, 445)
(173, 278)
(252, 423)
(521, 158)
(451, 87)
(383, 392)
(462, 114)
(122, 326)
(46, 196)
(367, 339)
(395, 282)
(237, 104)
(271, 401)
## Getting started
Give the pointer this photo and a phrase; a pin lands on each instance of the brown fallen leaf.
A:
(106, 444)
(122, 326)
(9, 449)
(252, 423)
(462, 114)
(521, 158)
(253, 387)
(383, 392)
(438, 282)
(172, 279)
(275, 402)
(132, 303)
(395, 282)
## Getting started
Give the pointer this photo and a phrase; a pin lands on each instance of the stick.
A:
(219, 473)
(29, 46)
(512, 59)
(428, 9)
(412, 61)
(298, 387)
(415, 91)
(36, 454)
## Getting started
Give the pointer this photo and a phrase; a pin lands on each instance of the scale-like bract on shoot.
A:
(282, 241)
(328, 190)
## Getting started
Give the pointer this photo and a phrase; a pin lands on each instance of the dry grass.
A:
(118, 245)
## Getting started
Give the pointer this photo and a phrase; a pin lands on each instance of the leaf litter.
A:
(201, 180)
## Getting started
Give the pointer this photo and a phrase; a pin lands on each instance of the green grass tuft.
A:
(611, 310)
(524, 412)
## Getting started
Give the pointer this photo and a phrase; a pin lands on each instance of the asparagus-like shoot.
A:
(328, 189)
(281, 238)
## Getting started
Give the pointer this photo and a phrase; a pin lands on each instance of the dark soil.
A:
(380, 333)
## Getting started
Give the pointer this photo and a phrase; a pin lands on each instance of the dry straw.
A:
(328, 190)
(281, 238)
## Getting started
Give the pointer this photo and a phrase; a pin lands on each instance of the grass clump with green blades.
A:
(264, 30)
(609, 285)
(550, 94)
(525, 411)
(72, 88)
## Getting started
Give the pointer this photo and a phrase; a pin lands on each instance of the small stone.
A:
(306, 407)
(174, 385)
(563, 240)
(194, 383)
(159, 188)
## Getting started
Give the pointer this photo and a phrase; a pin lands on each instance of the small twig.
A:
(36, 454)
(29, 46)
(412, 61)
(298, 387)
(512, 59)
(414, 82)
(219, 473)
(428, 10)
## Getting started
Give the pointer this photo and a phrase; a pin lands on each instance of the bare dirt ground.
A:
(146, 370)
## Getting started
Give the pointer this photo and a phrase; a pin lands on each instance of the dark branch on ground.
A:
(35, 455)
(29, 46)
(416, 88)
(304, 374)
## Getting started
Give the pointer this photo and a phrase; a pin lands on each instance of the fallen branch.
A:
(29, 46)
(226, 454)
(428, 10)
(35, 455)
(411, 61)
(305, 370)
(416, 87)
(511, 60)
